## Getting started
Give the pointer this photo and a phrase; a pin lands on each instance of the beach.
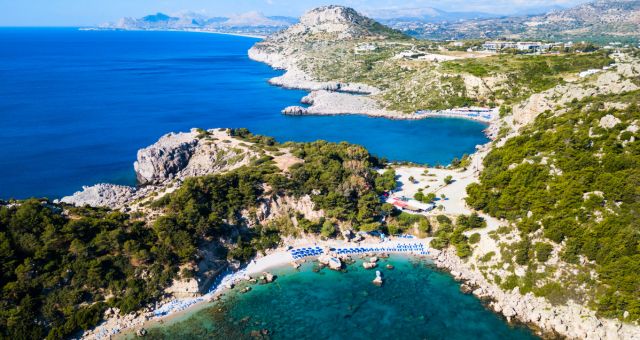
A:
(167, 310)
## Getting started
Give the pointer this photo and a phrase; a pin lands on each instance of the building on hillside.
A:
(495, 46)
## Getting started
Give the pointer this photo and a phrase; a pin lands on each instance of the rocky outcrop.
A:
(283, 205)
(165, 158)
(610, 82)
(609, 121)
(571, 320)
(102, 195)
(286, 50)
(174, 156)
(189, 154)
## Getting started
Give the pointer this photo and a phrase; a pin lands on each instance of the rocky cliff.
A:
(173, 157)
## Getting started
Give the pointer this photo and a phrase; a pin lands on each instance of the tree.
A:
(328, 229)
(448, 180)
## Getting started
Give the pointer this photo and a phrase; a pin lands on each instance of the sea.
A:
(75, 106)
(415, 301)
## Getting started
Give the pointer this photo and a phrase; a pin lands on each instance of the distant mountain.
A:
(600, 21)
(424, 14)
(247, 23)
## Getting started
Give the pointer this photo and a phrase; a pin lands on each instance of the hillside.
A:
(65, 268)
(599, 21)
(336, 49)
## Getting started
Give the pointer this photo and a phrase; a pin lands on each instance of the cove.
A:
(416, 301)
(76, 106)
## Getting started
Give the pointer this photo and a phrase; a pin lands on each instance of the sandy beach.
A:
(119, 327)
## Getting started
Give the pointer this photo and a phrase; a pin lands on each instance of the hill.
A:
(249, 23)
(599, 21)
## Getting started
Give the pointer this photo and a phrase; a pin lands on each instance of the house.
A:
(495, 46)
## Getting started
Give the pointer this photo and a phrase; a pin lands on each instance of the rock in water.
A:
(294, 111)
(378, 280)
(332, 262)
(369, 265)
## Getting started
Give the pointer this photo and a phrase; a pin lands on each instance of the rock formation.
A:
(195, 153)
(101, 195)
(174, 156)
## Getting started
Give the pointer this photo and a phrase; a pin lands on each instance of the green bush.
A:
(543, 251)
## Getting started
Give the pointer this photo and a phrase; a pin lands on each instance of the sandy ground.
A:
(432, 180)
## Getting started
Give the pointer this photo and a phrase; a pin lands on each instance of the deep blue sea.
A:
(75, 106)
(416, 301)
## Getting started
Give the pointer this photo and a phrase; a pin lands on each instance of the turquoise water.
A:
(76, 106)
(415, 302)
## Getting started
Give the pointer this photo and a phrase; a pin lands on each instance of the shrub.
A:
(543, 251)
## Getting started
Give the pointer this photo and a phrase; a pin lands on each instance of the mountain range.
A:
(598, 21)
(248, 23)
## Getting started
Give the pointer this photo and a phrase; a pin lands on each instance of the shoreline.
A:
(332, 98)
(120, 327)
(253, 36)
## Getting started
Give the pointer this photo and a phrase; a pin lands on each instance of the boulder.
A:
(369, 265)
(332, 262)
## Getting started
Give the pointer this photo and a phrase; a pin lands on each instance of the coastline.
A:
(120, 327)
(570, 321)
(335, 98)
(254, 36)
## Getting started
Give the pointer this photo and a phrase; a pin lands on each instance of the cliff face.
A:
(195, 153)
(165, 158)
(172, 158)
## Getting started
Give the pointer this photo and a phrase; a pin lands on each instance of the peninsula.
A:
(541, 222)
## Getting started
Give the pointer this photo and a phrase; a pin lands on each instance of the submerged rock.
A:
(378, 280)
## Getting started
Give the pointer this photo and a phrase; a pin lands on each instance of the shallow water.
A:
(75, 106)
(415, 302)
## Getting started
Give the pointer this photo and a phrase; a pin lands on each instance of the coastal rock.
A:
(378, 280)
(165, 158)
(189, 154)
(571, 320)
(101, 195)
(331, 262)
(294, 111)
(369, 265)
(268, 277)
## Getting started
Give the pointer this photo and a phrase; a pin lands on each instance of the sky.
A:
(93, 12)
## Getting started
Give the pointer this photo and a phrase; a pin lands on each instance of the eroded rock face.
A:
(165, 158)
(175, 156)
(101, 195)
(190, 154)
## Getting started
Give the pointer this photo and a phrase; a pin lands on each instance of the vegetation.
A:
(576, 182)
(448, 234)
(411, 85)
(61, 271)
(62, 266)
